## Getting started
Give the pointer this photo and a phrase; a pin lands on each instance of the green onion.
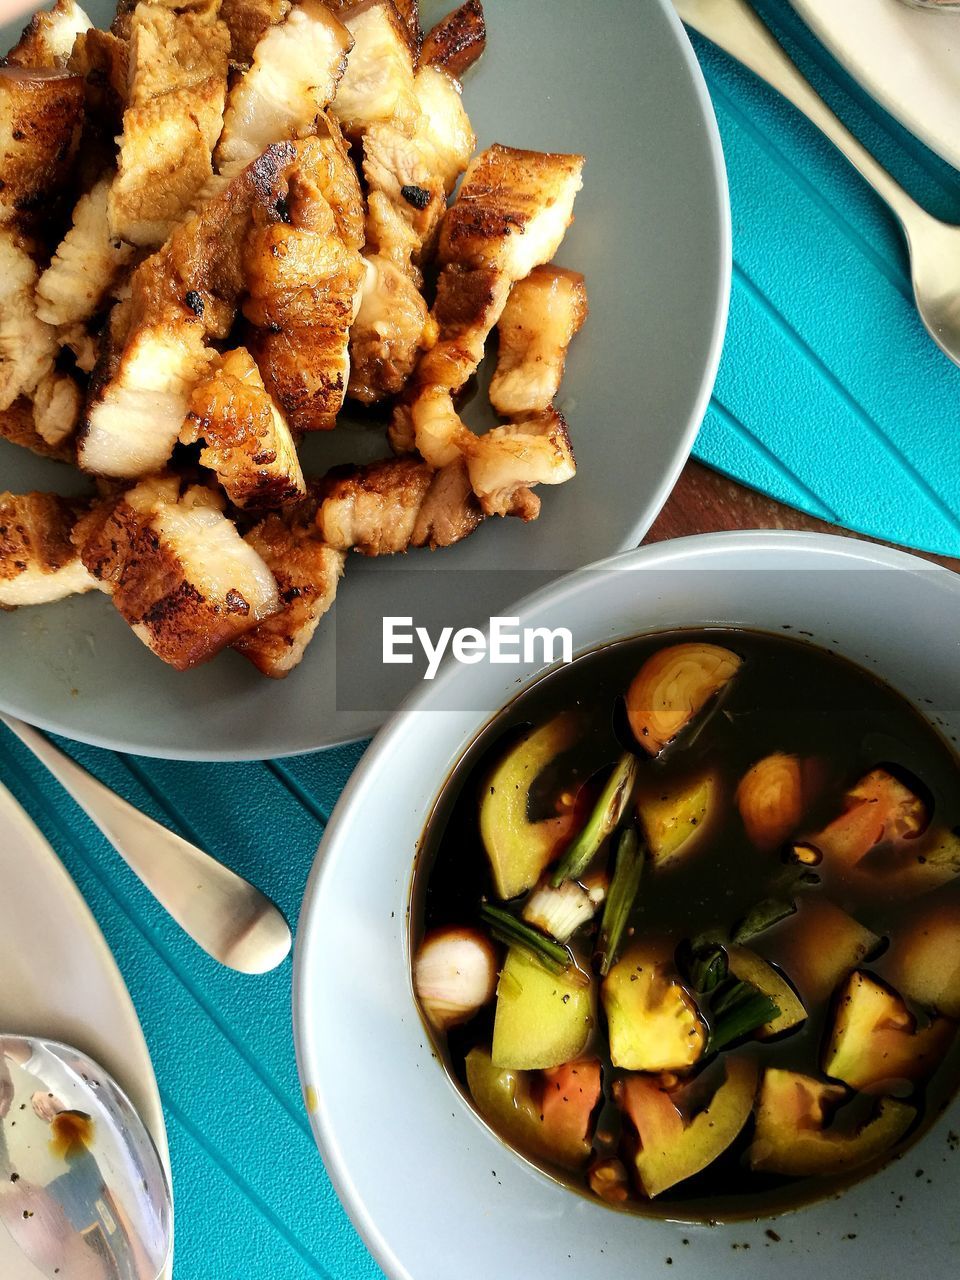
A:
(703, 964)
(764, 915)
(624, 888)
(604, 819)
(506, 928)
(737, 1011)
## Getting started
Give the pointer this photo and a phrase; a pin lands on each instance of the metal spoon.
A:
(83, 1194)
(224, 914)
(934, 246)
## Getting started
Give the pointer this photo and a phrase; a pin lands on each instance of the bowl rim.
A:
(844, 551)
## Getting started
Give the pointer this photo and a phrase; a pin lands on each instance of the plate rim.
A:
(699, 401)
(656, 555)
(914, 121)
(14, 816)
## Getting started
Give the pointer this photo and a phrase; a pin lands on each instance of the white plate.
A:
(59, 978)
(908, 59)
(652, 235)
(430, 1188)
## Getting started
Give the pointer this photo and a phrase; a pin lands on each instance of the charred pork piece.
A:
(157, 351)
(388, 506)
(177, 569)
(38, 562)
(543, 314)
(246, 442)
(178, 87)
(307, 573)
(511, 215)
(296, 68)
(304, 271)
(457, 41)
(49, 37)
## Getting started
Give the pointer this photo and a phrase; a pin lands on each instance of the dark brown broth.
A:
(788, 696)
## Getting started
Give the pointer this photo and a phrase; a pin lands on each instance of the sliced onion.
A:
(672, 686)
(454, 975)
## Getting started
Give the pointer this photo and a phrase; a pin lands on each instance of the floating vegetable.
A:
(672, 687)
(561, 911)
(771, 800)
(569, 1098)
(749, 967)
(925, 965)
(908, 868)
(542, 1019)
(762, 917)
(672, 1148)
(454, 975)
(603, 821)
(879, 808)
(623, 894)
(792, 1137)
(519, 849)
(507, 1101)
(737, 1009)
(506, 928)
(676, 815)
(876, 1043)
(819, 946)
(653, 1021)
(703, 964)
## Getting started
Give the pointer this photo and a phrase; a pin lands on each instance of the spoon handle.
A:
(734, 27)
(224, 914)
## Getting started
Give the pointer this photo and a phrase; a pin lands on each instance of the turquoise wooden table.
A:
(830, 397)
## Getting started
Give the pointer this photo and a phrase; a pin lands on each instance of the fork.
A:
(933, 246)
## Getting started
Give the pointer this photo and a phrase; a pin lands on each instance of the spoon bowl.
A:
(83, 1193)
(935, 274)
(934, 246)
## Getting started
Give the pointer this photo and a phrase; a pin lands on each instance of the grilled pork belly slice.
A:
(409, 11)
(385, 507)
(512, 212)
(57, 405)
(450, 510)
(304, 273)
(391, 327)
(86, 266)
(543, 314)
(294, 75)
(457, 41)
(178, 86)
(102, 59)
(177, 570)
(40, 119)
(248, 22)
(136, 418)
(48, 39)
(377, 86)
(504, 462)
(307, 573)
(409, 177)
(182, 295)
(417, 170)
(28, 347)
(247, 443)
(17, 426)
(509, 217)
(38, 562)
